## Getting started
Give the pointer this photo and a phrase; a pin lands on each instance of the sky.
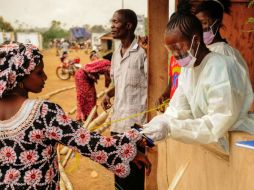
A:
(40, 13)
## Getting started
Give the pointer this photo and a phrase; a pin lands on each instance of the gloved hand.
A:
(157, 128)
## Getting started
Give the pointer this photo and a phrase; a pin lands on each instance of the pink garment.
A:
(100, 65)
(86, 93)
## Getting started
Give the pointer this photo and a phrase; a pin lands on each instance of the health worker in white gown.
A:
(214, 92)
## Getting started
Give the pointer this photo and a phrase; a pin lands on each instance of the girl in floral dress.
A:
(30, 129)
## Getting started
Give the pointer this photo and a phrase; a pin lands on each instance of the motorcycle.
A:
(68, 69)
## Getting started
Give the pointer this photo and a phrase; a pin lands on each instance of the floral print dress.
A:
(28, 157)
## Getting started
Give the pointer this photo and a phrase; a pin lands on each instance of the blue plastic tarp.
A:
(79, 32)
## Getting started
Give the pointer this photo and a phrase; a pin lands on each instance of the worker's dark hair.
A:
(129, 16)
(185, 21)
(214, 8)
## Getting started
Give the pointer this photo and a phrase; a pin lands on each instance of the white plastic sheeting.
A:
(33, 38)
(6, 36)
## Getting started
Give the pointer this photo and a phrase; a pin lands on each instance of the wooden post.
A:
(157, 73)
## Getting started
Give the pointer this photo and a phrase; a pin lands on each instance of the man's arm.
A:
(106, 104)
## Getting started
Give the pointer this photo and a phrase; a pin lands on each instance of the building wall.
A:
(6, 36)
(235, 31)
(33, 38)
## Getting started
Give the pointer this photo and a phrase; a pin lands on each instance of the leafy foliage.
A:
(251, 19)
(97, 29)
(251, 3)
(54, 32)
(5, 26)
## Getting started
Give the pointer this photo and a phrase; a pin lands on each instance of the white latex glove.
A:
(157, 129)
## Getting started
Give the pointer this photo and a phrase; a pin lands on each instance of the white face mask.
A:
(208, 36)
(189, 60)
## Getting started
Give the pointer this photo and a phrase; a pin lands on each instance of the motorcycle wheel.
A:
(62, 73)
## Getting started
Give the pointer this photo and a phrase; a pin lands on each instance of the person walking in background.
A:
(85, 79)
(64, 46)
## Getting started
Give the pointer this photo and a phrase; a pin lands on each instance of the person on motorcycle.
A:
(68, 66)
(64, 58)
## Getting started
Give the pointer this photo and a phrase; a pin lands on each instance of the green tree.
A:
(146, 26)
(5, 26)
(251, 19)
(97, 29)
(55, 31)
(55, 25)
(87, 26)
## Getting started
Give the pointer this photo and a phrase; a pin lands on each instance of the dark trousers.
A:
(136, 179)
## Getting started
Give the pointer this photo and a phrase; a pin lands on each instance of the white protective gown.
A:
(210, 100)
(225, 49)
